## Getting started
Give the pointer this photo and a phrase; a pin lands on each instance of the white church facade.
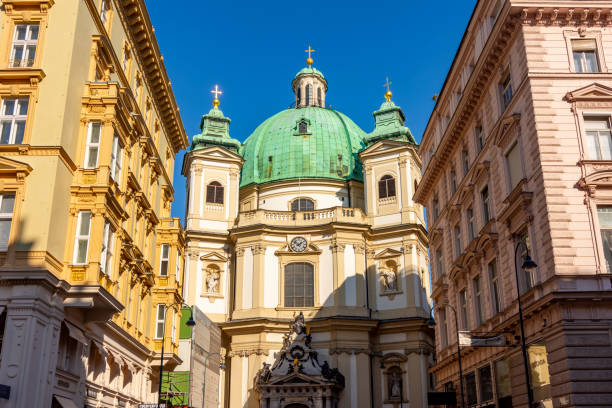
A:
(311, 218)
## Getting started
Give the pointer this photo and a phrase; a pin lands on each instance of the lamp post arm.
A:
(458, 347)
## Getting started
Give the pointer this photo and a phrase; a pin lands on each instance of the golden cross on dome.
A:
(388, 94)
(309, 61)
(216, 92)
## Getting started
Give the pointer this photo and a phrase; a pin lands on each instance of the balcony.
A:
(302, 218)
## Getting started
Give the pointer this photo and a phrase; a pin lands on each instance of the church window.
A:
(394, 383)
(303, 127)
(299, 285)
(302, 204)
(319, 99)
(386, 187)
(214, 193)
(308, 94)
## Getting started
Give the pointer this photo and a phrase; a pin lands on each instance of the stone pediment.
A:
(311, 249)
(214, 257)
(216, 152)
(384, 147)
(388, 253)
(593, 92)
(296, 379)
(13, 166)
(508, 126)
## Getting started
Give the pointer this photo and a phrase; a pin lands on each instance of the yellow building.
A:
(89, 130)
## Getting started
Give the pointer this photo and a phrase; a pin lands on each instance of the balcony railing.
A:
(299, 218)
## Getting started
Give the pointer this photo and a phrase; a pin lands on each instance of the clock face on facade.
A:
(298, 244)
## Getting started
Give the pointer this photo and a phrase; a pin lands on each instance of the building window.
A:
(465, 158)
(495, 293)
(443, 329)
(116, 156)
(465, 324)
(299, 285)
(164, 260)
(177, 272)
(104, 11)
(599, 139)
(436, 208)
(7, 203)
(506, 89)
(319, 99)
(478, 300)
(604, 214)
(458, 248)
(486, 210)
(486, 383)
(479, 137)
(453, 181)
(159, 321)
(302, 127)
(173, 334)
(214, 193)
(13, 119)
(470, 223)
(470, 389)
(585, 55)
(302, 204)
(513, 164)
(93, 145)
(386, 187)
(81, 245)
(440, 262)
(308, 94)
(106, 257)
(24, 46)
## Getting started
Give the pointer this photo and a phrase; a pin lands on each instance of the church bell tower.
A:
(309, 85)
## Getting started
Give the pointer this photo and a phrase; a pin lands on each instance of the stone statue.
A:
(389, 279)
(212, 282)
(395, 385)
(299, 326)
(264, 374)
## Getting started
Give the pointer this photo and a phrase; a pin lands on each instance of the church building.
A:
(305, 247)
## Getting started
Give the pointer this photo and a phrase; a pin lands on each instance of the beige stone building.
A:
(311, 215)
(518, 149)
(88, 254)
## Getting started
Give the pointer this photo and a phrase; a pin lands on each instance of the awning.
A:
(76, 333)
(100, 348)
(65, 402)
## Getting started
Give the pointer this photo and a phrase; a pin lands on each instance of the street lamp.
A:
(221, 366)
(432, 323)
(188, 323)
(528, 264)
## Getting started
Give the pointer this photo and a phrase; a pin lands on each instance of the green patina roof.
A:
(328, 149)
(215, 132)
(310, 70)
(389, 125)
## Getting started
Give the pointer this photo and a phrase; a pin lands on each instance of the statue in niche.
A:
(299, 326)
(389, 275)
(395, 385)
(212, 279)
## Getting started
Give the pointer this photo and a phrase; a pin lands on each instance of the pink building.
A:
(519, 149)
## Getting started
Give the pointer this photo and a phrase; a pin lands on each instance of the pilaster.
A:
(338, 261)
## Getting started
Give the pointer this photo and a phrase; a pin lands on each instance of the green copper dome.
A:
(311, 142)
(310, 70)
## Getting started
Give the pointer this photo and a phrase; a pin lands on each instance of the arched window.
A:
(308, 94)
(302, 127)
(386, 187)
(214, 193)
(299, 285)
(302, 204)
(319, 100)
(299, 97)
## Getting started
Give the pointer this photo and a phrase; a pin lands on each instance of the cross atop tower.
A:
(388, 94)
(309, 61)
(216, 92)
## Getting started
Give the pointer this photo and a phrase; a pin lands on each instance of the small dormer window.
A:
(303, 127)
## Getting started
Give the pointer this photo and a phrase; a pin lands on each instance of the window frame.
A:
(300, 200)
(116, 164)
(26, 43)
(159, 321)
(506, 90)
(605, 265)
(14, 118)
(218, 193)
(78, 237)
(386, 180)
(287, 283)
(5, 216)
(89, 145)
(590, 118)
(583, 65)
(494, 283)
(478, 306)
(177, 266)
(479, 133)
(513, 183)
(457, 240)
(164, 260)
(485, 200)
(106, 255)
(469, 215)
(463, 309)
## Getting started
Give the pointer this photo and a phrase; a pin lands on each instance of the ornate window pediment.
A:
(591, 96)
(508, 127)
(388, 253)
(600, 179)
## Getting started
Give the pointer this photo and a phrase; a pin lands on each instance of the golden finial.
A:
(388, 94)
(216, 92)
(309, 60)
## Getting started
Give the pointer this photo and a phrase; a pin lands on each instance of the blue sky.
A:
(252, 50)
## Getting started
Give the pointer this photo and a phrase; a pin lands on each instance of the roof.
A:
(310, 70)
(325, 146)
